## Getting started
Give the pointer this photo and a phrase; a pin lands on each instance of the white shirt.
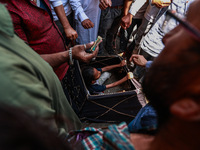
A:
(152, 43)
(138, 8)
(92, 10)
(69, 5)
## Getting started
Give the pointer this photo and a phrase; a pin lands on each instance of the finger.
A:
(84, 26)
(89, 45)
(123, 26)
(104, 4)
(92, 25)
(96, 51)
(76, 36)
(128, 25)
(84, 46)
(89, 56)
(87, 25)
(71, 38)
(132, 57)
(100, 6)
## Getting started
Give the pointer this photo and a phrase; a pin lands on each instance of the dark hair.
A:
(88, 75)
(166, 82)
(20, 131)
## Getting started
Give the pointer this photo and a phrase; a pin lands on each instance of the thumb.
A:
(135, 59)
(89, 45)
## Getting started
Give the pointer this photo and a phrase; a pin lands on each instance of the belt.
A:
(117, 7)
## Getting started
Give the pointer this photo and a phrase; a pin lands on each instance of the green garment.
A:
(28, 82)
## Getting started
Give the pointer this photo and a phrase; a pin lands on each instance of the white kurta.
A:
(92, 10)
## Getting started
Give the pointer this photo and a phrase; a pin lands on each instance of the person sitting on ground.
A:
(91, 76)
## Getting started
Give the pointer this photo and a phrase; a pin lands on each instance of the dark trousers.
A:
(124, 38)
(60, 27)
(108, 27)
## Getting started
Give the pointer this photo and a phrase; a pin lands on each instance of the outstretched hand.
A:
(138, 60)
(123, 63)
(78, 52)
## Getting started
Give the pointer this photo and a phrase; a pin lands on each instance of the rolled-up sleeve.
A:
(135, 6)
(78, 9)
(148, 65)
(55, 3)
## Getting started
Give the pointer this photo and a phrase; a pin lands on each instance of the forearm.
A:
(60, 12)
(107, 68)
(117, 82)
(56, 59)
(127, 6)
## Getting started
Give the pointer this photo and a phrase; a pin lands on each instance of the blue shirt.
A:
(96, 88)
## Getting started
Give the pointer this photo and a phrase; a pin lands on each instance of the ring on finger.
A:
(84, 46)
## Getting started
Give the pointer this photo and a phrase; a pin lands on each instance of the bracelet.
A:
(70, 57)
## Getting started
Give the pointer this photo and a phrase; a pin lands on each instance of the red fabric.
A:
(37, 28)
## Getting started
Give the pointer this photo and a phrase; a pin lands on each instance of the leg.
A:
(116, 15)
(123, 38)
(105, 24)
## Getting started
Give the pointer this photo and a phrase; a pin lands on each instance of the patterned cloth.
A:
(115, 137)
(36, 27)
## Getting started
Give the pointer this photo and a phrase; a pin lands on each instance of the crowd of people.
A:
(39, 40)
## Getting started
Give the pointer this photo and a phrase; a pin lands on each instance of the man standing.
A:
(34, 24)
(62, 9)
(111, 14)
(88, 33)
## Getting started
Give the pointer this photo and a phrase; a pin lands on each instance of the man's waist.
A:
(117, 7)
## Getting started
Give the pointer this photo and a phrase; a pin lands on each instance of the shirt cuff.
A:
(80, 14)
(148, 64)
(55, 3)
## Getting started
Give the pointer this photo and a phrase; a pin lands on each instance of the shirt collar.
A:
(6, 25)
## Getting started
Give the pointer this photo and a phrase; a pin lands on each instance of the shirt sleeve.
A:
(99, 69)
(78, 9)
(55, 3)
(135, 6)
(148, 64)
